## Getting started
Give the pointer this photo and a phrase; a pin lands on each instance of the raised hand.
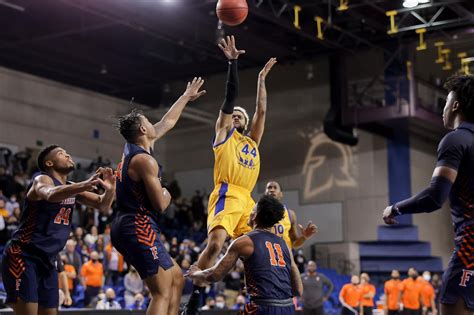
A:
(266, 69)
(227, 46)
(91, 183)
(192, 90)
(309, 231)
(389, 215)
(108, 177)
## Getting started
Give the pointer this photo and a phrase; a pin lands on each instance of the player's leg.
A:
(47, 311)
(215, 242)
(24, 308)
(48, 292)
(458, 308)
(160, 291)
(176, 289)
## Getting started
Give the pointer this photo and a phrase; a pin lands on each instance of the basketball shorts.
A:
(254, 309)
(137, 238)
(28, 279)
(230, 207)
(458, 282)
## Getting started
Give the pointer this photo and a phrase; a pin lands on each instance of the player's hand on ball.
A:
(227, 46)
(192, 90)
(108, 178)
(389, 215)
(266, 69)
(309, 230)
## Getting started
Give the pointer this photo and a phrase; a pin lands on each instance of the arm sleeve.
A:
(232, 88)
(450, 154)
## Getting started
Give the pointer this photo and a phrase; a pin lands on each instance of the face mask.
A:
(427, 277)
(220, 305)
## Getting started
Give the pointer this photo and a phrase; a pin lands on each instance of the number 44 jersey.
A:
(44, 227)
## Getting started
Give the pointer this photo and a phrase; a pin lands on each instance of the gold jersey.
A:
(237, 161)
(282, 228)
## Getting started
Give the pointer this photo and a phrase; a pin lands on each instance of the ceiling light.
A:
(424, 1)
(410, 3)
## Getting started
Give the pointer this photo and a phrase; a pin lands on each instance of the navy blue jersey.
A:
(268, 269)
(44, 227)
(456, 151)
(131, 196)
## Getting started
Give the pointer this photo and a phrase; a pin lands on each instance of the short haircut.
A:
(129, 124)
(269, 212)
(275, 181)
(42, 156)
(463, 88)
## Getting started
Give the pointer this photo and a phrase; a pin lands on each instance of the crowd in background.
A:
(98, 276)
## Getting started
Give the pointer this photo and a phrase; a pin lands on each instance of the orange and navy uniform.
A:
(135, 231)
(29, 259)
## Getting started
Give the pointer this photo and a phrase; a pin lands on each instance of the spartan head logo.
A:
(327, 164)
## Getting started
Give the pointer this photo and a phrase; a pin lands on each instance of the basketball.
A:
(232, 12)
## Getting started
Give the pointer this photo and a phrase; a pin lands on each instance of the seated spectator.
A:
(138, 303)
(72, 256)
(210, 304)
(92, 274)
(133, 285)
(109, 302)
(12, 204)
(220, 302)
(78, 234)
(13, 221)
(91, 238)
(239, 303)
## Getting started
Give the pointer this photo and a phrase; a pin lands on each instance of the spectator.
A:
(220, 302)
(109, 302)
(239, 303)
(427, 294)
(350, 297)
(210, 304)
(91, 238)
(174, 247)
(411, 293)
(92, 274)
(73, 257)
(3, 209)
(12, 204)
(114, 265)
(300, 260)
(78, 234)
(392, 289)
(317, 289)
(138, 303)
(133, 285)
(13, 222)
(367, 294)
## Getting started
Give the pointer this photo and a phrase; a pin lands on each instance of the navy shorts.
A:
(458, 282)
(28, 279)
(253, 309)
(137, 238)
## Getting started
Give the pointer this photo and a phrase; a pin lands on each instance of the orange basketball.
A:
(232, 12)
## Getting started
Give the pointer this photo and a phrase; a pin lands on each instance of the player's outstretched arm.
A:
(44, 189)
(224, 122)
(171, 117)
(258, 120)
(428, 200)
(241, 247)
(146, 168)
(104, 201)
(305, 232)
(296, 283)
